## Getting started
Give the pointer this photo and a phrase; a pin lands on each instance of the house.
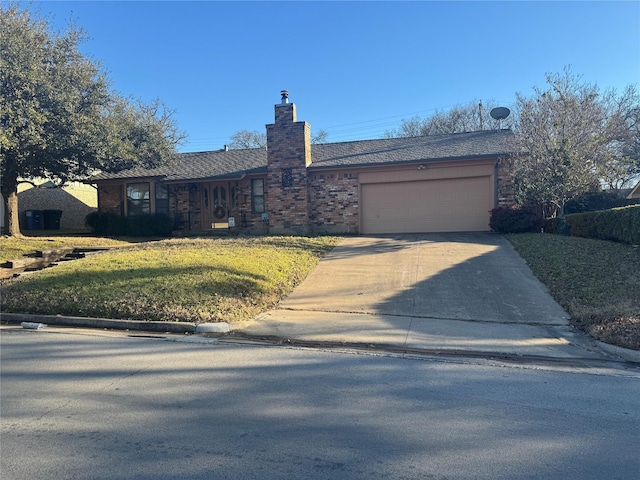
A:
(635, 192)
(442, 183)
(74, 201)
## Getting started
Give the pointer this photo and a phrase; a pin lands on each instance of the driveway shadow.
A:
(462, 276)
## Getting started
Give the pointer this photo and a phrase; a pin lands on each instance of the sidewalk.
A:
(423, 333)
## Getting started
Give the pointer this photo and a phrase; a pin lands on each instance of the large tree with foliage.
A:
(577, 139)
(470, 117)
(59, 118)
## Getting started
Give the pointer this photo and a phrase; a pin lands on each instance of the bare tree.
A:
(248, 139)
(412, 127)
(320, 137)
(471, 117)
(622, 166)
(574, 137)
(256, 139)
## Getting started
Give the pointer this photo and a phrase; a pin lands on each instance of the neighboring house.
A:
(442, 183)
(635, 192)
(75, 200)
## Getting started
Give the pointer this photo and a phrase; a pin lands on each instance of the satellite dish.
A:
(500, 113)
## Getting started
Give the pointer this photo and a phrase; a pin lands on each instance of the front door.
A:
(215, 205)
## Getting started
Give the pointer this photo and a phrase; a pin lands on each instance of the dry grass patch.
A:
(196, 280)
(12, 248)
(597, 282)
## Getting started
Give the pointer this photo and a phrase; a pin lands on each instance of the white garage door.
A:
(445, 205)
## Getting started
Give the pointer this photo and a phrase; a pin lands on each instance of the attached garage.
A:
(445, 199)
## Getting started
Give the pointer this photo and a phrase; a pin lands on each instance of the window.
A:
(138, 199)
(162, 199)
(257, 195)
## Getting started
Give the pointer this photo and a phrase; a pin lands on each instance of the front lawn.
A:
(14, 248)
(195, 280)
(596, 282)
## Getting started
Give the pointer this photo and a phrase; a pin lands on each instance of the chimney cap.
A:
(285, 96)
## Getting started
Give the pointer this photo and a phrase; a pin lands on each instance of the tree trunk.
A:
(10, 191)
(561, 210)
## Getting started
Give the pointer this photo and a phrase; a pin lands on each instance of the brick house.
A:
(75, 200)
(398, 185)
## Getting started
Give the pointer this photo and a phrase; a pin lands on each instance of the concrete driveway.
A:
(465, 291)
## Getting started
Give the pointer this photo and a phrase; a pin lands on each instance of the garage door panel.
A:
(449, 205)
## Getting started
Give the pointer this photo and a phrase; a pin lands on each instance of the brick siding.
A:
(110, 199)
(246, 219)
(334, 202)
(74, 209)
(505, 187)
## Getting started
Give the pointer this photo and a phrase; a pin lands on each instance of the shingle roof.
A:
(236, 163)
(486, 143)
(201, 165)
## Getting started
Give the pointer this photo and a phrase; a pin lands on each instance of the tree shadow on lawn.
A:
(139, 293)
(200, 274)
(306, 244)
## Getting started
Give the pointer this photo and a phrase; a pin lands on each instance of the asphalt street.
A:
(100, 405)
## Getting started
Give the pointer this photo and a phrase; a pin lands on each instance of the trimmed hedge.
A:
(111, 224)
(618, 224)
(154, 225)
(515, 220)
(595, 201)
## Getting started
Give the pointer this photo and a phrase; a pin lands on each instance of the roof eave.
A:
(115, 179)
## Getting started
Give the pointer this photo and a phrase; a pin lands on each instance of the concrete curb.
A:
(188, 327)
(220, 327)
(164, 327)
(623, 353)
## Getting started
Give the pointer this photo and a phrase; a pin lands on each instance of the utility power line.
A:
(352, 131)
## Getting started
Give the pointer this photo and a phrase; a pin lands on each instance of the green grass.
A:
(597, 282)
(196, 280)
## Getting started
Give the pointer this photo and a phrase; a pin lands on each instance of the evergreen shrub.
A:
(617, 224)
(515, 220)
(111, 224)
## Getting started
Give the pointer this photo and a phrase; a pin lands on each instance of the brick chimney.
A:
(288, 156)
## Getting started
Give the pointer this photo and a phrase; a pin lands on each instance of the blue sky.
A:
(354, 69)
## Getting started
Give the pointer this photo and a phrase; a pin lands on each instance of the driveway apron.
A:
(463, 291)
